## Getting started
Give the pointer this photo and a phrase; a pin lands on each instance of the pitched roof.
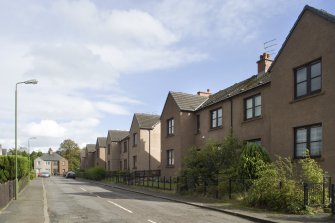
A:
(51, 157)
(90, 148)
(238, 88)
(147, 121)
(320, 12)
(117, 135)
(102, 141)
(188, 102)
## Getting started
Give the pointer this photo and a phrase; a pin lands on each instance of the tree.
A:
(71, 151)
(33, 156)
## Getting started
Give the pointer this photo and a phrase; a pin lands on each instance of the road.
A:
(67, 200)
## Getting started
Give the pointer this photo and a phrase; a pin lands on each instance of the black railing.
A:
(318, 194)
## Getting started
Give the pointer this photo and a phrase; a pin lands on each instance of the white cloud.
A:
(111, 108)
(217, 20)
(48, 128)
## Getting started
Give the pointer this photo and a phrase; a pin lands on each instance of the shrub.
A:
(279, 186)
(252, 161)
(95, 173)
(7, 167)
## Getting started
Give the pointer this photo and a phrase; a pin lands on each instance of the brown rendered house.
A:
(144, 143)
(100, 152)
(286, 107)
(302, 90)
(89, 156)
(114, 145)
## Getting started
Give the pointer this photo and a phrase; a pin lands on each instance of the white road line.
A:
(98, 196)
(83, 189)
(45, 204)
(120, 206)
(151, 221)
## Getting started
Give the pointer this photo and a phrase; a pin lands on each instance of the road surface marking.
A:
(45, 204)
(120, 206)
(98, 196)
(151, 221)
(83, 189)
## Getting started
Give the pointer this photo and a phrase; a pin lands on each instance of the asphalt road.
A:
(68, 200)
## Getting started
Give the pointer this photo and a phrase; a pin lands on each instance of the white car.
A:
(44, 174)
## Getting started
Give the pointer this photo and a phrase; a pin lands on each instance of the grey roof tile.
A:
(188, 102)
(117, 135)
(90, 148)
(51, 157)
(147, 121)
(238, 88)
(102, 142)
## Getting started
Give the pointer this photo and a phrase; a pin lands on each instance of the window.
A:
(134, 139)
(134, 162)
(125, 165)
(109, 149)
(55, 163)
(108, 165)
(308, 137)
(256, 141)
(253, 107)
(63, 163)
(48, 162)
(198, 124)
(125, 146)
(216, 118)
(307, 79)
(170, 157)
(170, 126)
(39, 162)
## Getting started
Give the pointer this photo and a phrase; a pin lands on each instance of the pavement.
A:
(30, 205)
(256, 215)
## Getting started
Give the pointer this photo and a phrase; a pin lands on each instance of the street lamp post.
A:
(29, 152)
(16, 180)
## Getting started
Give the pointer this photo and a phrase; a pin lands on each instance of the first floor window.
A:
(253, 107)
(307, 79)
(170, 157)
(170, 125)
(125, 146)
(308, 138)
(216, 118)
(134, 139)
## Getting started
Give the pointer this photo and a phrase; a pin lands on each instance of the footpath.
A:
(255, 215)
(28, 208)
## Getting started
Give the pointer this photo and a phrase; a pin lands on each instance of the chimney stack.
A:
(264, 63)
(202, 93)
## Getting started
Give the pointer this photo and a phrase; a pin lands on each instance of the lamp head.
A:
(33, 81)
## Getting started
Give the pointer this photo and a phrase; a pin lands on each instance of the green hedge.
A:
(7, 168)
(94, 173)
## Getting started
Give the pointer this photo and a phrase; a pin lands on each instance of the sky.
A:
(99, 62)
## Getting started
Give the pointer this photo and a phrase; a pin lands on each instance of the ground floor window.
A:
(308, 138)
(170, 157)
(256, 141)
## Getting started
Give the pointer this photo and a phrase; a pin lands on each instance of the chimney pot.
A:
(202, 93)
(264, 63)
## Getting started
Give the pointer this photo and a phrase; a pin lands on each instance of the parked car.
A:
(70, 174)
(44, 174)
